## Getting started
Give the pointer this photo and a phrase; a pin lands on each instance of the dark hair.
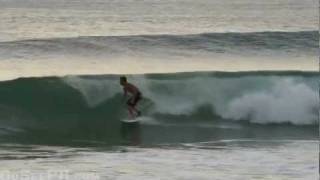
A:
(123, 79)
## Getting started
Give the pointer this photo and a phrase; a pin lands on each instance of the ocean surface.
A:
(230, 89)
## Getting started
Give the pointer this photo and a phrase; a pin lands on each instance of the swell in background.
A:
(160, 54)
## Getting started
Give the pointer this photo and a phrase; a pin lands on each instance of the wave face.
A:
(92, 106)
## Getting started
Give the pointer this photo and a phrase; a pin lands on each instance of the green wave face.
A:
(179, 107)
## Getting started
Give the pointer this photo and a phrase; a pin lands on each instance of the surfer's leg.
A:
(136, 111)
(133, 111)
(132, 102)
(135, 102)
(130, 108)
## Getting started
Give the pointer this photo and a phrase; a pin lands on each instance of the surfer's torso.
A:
(130, 88)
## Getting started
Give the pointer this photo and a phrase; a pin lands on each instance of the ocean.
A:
(230, 89)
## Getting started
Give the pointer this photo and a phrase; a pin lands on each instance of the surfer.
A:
(134, 99)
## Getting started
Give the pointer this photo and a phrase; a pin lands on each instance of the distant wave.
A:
(159, 54)
(165, 45)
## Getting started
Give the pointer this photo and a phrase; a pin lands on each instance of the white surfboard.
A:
(142, 120)
(130, 120)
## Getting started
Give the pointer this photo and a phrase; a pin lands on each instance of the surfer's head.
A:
(123, 80)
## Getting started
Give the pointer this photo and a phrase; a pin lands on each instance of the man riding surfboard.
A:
(136, 96)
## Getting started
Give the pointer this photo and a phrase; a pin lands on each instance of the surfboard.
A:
(130, 120)
(141, 119)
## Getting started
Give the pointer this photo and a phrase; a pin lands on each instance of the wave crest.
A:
(287, 101)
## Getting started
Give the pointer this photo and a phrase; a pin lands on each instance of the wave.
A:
(82, 107)
(260, 97)
(256, 51)
(165, 45)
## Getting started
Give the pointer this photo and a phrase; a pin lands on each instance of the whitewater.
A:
(230, 89)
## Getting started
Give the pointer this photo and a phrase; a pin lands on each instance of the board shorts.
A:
(134, 100)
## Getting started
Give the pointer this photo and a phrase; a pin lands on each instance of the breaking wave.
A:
(254, 97)
(89, 108)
